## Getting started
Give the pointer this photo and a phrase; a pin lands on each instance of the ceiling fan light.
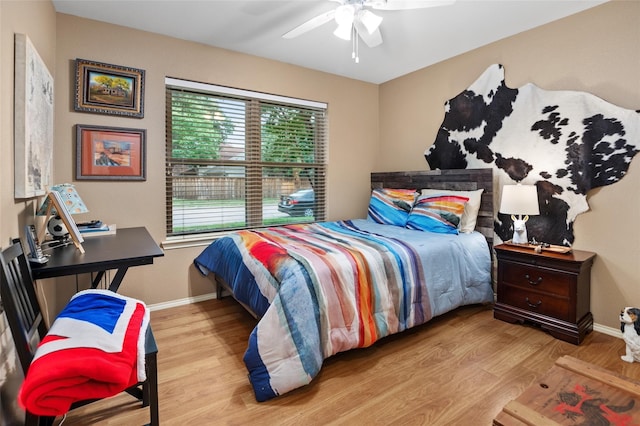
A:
(345, 14)
(370, 20)
(343, 31)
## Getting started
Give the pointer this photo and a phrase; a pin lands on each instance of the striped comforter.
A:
(328, 287)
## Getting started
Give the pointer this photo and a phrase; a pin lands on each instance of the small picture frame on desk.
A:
(61, 210)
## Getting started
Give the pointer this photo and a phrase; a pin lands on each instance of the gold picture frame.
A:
(109, 89)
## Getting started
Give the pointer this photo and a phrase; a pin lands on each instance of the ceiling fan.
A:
(355, 20)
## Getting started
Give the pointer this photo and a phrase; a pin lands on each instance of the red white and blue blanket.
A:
(329, 287)
(94, 349)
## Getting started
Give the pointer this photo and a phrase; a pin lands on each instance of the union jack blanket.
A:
(94, 349)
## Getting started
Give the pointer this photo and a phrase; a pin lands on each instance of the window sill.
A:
(189, 241)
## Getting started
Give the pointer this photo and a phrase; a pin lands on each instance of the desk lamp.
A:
(72, 202)
(519, 200)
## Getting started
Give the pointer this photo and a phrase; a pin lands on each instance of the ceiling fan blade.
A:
(406, 4)
(310, 24)
(372, 40)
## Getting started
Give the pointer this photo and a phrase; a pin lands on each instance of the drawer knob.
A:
(536, 282)
(533, 305)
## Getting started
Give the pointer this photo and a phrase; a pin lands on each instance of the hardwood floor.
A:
(459, 369)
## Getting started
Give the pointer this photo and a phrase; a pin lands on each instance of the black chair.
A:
(18, 296)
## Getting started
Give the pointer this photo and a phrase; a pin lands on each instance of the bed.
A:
(322, 288)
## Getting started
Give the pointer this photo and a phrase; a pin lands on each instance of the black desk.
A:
(127, 247)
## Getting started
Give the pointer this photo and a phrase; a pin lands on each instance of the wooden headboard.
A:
(459, 180)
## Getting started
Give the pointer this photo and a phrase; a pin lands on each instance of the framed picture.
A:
(33, 121)
(109, 89)
(110, 153)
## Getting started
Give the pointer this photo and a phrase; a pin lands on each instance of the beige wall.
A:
(596, 51)
(384, 128)
(38, 21)
(353, 132)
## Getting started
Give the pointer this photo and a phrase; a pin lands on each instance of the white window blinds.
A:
(238, 159)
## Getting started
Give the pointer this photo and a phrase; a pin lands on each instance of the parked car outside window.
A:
(300, 203)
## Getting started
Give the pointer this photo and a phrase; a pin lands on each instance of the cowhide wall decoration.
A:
(564, 142)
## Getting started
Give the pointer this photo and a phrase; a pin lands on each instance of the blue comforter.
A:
(328, 287)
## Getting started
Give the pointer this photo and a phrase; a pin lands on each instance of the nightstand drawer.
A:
(532, 301)
(544, 280)
(551, 290)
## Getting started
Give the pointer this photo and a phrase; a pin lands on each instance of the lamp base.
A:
(520, 230)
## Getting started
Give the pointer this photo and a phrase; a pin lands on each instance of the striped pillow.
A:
(437, 213)
(471, 208)
(391, 206)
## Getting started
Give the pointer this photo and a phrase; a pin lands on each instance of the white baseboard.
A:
(615, 332)
(181, 302)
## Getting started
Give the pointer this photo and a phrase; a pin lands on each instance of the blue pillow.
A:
(437, 213)
(391, 206)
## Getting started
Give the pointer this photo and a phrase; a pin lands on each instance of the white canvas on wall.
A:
(33, 121)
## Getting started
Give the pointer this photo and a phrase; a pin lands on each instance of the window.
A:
(238, 159)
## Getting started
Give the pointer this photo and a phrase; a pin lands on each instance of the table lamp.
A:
(71, 200)
(519, 200)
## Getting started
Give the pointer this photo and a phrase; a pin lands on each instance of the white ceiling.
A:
(413, 39)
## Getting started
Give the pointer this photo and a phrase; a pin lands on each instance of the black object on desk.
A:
(127, 247)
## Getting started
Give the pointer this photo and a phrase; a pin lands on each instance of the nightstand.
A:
(549, 289)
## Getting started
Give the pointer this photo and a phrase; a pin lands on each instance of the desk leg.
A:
(97, 279)
(115, 283)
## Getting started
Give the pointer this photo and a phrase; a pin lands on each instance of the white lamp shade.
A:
(370, 20)
(519, 199)
(343, 32)
(345, 14)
